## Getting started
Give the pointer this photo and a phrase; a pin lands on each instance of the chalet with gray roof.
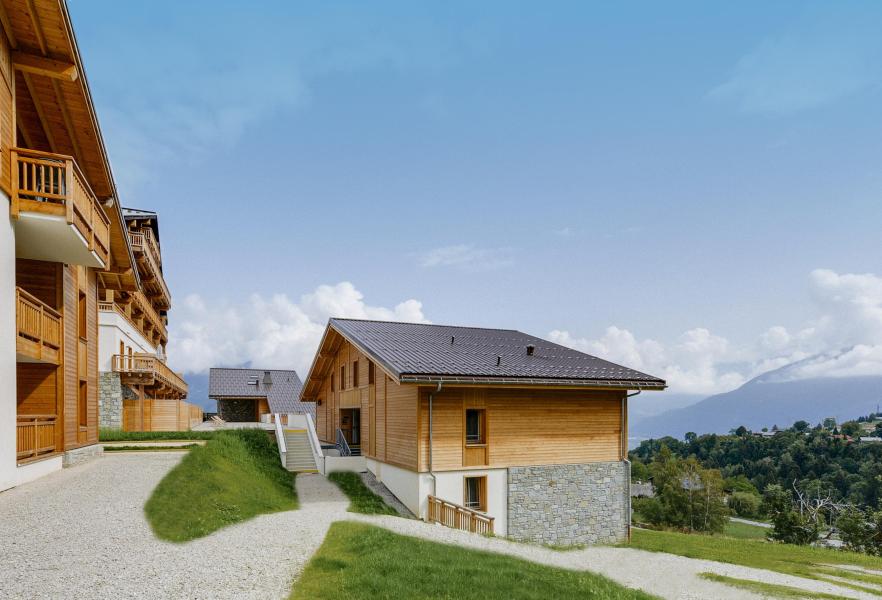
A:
(247, 395)
(491, 430)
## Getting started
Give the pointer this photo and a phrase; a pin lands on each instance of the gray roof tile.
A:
(414, 349)
(282, 395)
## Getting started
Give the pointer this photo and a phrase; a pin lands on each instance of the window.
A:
(354, 373)
(342, 377)
(370, 373)
(82, 412)
(122, 347)
(475, 426)
(475, 495)
(81, 315)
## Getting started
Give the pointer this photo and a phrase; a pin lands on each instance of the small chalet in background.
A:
(252, 395)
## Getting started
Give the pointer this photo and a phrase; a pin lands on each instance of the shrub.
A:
(861, 531)
(745, 504)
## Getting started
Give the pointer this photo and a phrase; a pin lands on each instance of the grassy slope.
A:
(234, 477)
(115, 435)
(744, 531)
(361, 499)
(768, 589)
(803, 561)
(360, 561)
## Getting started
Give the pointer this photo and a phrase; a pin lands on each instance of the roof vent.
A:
(452, 339)
(498, 360)
(530, 349)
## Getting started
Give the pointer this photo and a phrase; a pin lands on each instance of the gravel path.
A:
(81, 533)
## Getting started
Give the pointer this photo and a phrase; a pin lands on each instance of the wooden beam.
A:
(35, 22)
(68, 122)
(40, 114)
(39, 65)
(7, 26)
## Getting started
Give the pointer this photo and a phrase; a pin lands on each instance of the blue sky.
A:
(658, 168)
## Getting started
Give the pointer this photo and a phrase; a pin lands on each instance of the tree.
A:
(788, 524)
(851, 428)
(688, 496)
(745, 504)
(801, 426)
(741, 431)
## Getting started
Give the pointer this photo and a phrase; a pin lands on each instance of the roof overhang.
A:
(55, 111)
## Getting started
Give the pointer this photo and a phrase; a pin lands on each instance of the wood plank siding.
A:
(522, 426)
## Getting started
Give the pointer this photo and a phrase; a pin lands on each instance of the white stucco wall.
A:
(113, 328)
(8, 470)
(413, 489)
(451, 487)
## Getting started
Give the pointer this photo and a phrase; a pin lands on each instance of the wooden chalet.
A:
(65, 246)
(484, 429)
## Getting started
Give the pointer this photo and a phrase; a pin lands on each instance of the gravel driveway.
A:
(81, 533)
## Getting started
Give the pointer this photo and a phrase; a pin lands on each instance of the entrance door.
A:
(350, 425)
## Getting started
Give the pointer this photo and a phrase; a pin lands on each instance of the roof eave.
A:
(533, 382)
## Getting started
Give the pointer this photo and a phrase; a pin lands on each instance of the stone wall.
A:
(78, 456)
(569, 504)
(111, 393)
(237, 411)
(110, 397)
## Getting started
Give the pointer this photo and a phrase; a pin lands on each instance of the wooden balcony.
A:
(149, 262)
(458, 517)
(148, 370)
(59, 217)
(39, 330)
(35, 436)
(141, 316)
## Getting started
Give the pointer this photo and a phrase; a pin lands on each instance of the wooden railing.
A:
(143, 244)
(39, 327)
(155, 321)
(458, 517)
(140, 301)
(53, 184)
(35, 436)
(148, 364)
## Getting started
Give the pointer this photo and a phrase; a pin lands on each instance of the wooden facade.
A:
(55, 171)
(522, 426)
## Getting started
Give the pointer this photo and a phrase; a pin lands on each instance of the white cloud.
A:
(820, 58)
(843, 340)
(468, 257)
(564, 232)
(270, 332)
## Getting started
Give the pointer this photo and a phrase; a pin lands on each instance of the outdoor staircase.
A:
(355, 450)
(299, 456)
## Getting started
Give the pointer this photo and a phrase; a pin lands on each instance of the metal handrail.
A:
(280, 434)
(342, 444)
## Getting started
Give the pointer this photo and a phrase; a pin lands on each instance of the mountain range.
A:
(774, 398)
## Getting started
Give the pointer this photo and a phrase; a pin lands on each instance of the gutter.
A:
(626, 461)
(431, 474)
(497, 381)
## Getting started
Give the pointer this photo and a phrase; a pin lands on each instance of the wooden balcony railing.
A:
(39, 328)
(145, 248)
(458, 517)
(153, 317)
(140, 302)
(53, 184)
(35, 436)
(151, 368)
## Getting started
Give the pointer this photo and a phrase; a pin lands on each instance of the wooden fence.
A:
(153, 414)
(35, 436)
(458, 517)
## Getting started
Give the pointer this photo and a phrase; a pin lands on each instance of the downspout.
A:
(431, 474)
(626, 461)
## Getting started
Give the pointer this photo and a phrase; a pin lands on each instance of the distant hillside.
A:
(198, 383)
(770, 399)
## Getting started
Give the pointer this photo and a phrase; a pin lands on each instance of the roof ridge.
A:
(424, 324)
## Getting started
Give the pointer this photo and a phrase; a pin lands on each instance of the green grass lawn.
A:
(115, 435)
(361, 499)
(234, 477)
(361, 561)
(802, 561)
(744, 531)
(768, 589)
